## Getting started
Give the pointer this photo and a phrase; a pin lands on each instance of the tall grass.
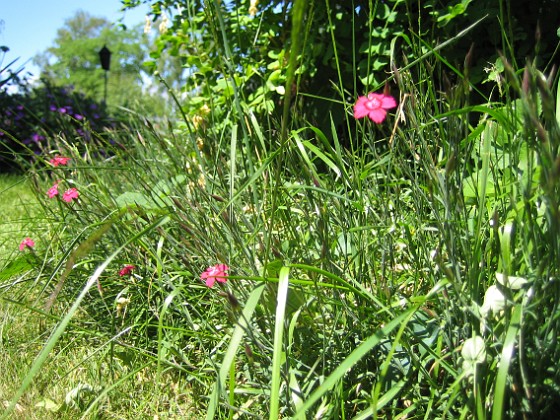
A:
(411, 272)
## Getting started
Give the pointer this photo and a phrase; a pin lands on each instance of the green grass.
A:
(84, 363)
(19, 214)
(360, 274)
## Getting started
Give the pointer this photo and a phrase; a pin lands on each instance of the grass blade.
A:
(277, 357)
(351, 360)
(236, 337)
(505, 362)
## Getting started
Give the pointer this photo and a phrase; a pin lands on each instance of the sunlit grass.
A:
(79, 371)
(20, 214)
(359, 273)
(83, 366)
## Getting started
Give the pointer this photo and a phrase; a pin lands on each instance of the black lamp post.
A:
(105, 57)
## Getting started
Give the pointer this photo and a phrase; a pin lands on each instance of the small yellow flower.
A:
(201, 181)
(197, 121)
(164, 25)
(191, 187)
(148, 25)
(253, 7)
(200, 143)
(204, 110)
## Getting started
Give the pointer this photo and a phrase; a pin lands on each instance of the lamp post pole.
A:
(105, 58)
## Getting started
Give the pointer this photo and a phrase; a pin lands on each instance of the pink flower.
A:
(53, 191)
(215, 273)
(126, 270)
(59, 160)
(374, 105)
(26, 243)
(70, 195)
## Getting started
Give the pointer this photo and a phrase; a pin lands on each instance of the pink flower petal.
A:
(388, 102)
(374, 105)
(70, 195)
(360, 112)
(59, 160)
(215, 273)
(26, 243)
(53, 191)
(377, 115)
(126, 270)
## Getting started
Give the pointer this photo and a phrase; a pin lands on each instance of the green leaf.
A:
(132, 199)
(16, 267)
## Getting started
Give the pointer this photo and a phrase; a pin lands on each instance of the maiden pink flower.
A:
(126, 270)
(53, 191)
(59, 160)
(375, 106)
(215, 273)
(26, 243)
(70, 195)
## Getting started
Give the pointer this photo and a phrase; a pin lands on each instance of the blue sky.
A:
(29, 26)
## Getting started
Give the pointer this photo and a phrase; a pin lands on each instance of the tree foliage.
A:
(73, 60)
(350, 47)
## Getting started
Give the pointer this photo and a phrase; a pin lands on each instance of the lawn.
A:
(73, 374)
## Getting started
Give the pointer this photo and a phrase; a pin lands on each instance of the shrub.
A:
(34, 116)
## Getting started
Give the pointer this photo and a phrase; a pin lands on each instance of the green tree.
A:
(74, 60)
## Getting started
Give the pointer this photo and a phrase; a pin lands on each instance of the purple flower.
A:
(53, 107)
(79, 117)
(62, 110)
(37, 138)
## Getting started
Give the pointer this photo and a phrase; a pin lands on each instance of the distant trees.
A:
(73, 60)
(67, 102)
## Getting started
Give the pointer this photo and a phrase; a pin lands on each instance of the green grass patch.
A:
(398, 269)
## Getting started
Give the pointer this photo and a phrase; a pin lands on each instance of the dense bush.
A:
(349, 47)
(33, 116)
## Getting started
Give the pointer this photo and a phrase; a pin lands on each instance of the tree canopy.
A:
(74, 58)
